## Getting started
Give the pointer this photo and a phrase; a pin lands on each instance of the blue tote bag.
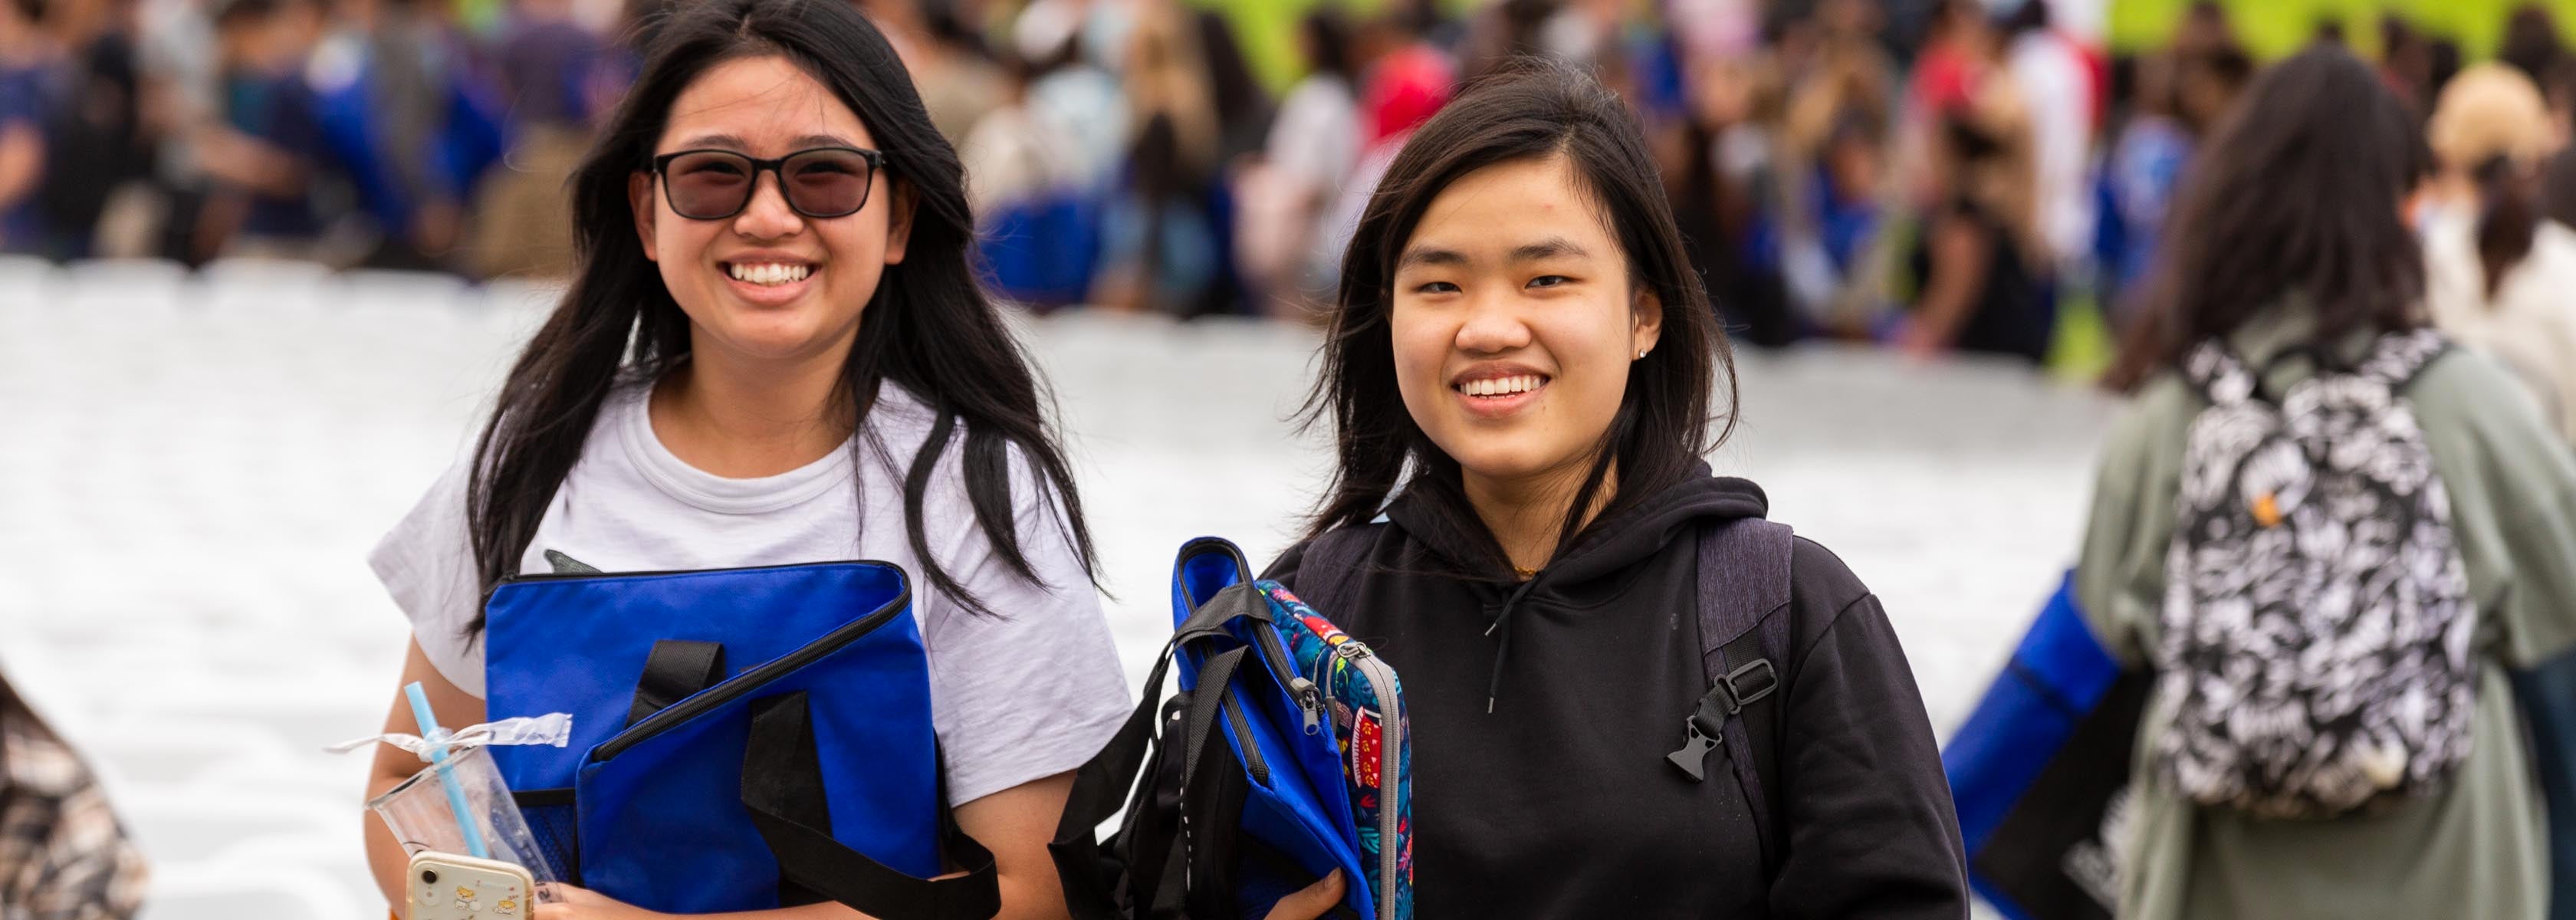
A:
(742, 739)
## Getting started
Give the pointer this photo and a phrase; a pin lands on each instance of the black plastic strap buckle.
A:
(1745, 685)
(1705, 729)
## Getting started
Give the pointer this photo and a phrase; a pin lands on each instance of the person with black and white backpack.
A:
(1630, 694)
(2328, 533)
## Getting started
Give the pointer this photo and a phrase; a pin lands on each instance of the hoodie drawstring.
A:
(1503, 625)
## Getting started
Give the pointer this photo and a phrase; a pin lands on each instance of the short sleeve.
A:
(427, 565)
(1033, 688)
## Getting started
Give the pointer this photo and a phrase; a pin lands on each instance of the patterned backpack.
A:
(2316, 621)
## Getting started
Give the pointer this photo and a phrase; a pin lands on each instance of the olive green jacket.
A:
(2476, 849)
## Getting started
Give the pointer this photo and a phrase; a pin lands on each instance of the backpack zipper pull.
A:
(1310, 700)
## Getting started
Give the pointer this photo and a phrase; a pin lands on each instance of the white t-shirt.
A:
(1017, 697)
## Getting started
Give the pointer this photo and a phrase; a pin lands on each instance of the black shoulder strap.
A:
(1328, 572)
(782, 788)
(1744, 652)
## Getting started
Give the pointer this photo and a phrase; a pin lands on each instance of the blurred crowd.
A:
(1935, 174)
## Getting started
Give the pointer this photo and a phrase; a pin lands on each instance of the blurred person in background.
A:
(958, 77)
(2176, 100)
(1074, 49)
(2532, 44)
(2147, 152)
(1501, 31)
(98, 148)
(1283, 197)
(29, 71)
(63, 856)
(1159, 250)
(266, 151)
(550, 73)
(2291, 247)
(1244, 109)
(1035, 208)
(405, 118)
(1404, 80)
(1244, 114)
(2499, 274)
(1835, 146)
(2406, 62)
(1722, 191)
(1981, 263)
(2060, 83)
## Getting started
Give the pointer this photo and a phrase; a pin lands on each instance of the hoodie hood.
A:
(1611, 545)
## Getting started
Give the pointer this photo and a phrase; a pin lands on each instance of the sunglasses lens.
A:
(708, 185)
(826, 183)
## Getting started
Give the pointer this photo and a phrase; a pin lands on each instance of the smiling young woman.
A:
(1519, 378)
(775, 352)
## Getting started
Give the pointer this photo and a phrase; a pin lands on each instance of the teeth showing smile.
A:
(1501, 386)
(769, 273)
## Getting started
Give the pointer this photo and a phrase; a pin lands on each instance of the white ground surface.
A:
(192, 468)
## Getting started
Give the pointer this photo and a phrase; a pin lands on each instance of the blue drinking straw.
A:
(438, 761)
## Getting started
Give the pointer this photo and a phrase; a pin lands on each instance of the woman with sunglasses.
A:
(774, 352)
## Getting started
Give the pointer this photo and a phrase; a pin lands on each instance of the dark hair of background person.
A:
(2508, 218)
(2444, 55)
(1327, 41)
(2031, 16)
(242, 12)
(948, 28)
(2558, 188)
(2531, 43)
(1243, 107)
(1532, 110)
(2329, 31)
(928, 328)
(2298, 192)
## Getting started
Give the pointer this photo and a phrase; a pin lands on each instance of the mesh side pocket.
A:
(556, 825)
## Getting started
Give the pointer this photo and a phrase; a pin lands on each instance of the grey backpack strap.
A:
(1744, 652)
(1328, 572)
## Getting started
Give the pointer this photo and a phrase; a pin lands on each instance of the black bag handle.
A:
(1102, 786)
(676, 670)
(782, 788)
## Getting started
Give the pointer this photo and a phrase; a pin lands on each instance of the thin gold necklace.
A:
(1525, 574)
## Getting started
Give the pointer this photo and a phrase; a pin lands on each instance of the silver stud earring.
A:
(1641, 354)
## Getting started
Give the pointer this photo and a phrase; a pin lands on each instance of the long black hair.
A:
(1530, 110)
(928, 327)
(2508, 218)
(2297, 193)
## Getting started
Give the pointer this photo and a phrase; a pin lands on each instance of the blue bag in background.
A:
(2040, 767)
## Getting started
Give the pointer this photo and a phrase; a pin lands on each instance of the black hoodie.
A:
(1559, 802)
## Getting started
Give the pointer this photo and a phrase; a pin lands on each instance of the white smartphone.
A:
(445, 886)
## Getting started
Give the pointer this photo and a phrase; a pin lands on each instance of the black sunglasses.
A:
(823, 182)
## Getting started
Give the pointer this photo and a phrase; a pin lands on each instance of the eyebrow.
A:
(1549, 248)
(736, 143)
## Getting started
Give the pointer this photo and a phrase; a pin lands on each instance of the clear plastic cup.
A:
(418, 813)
